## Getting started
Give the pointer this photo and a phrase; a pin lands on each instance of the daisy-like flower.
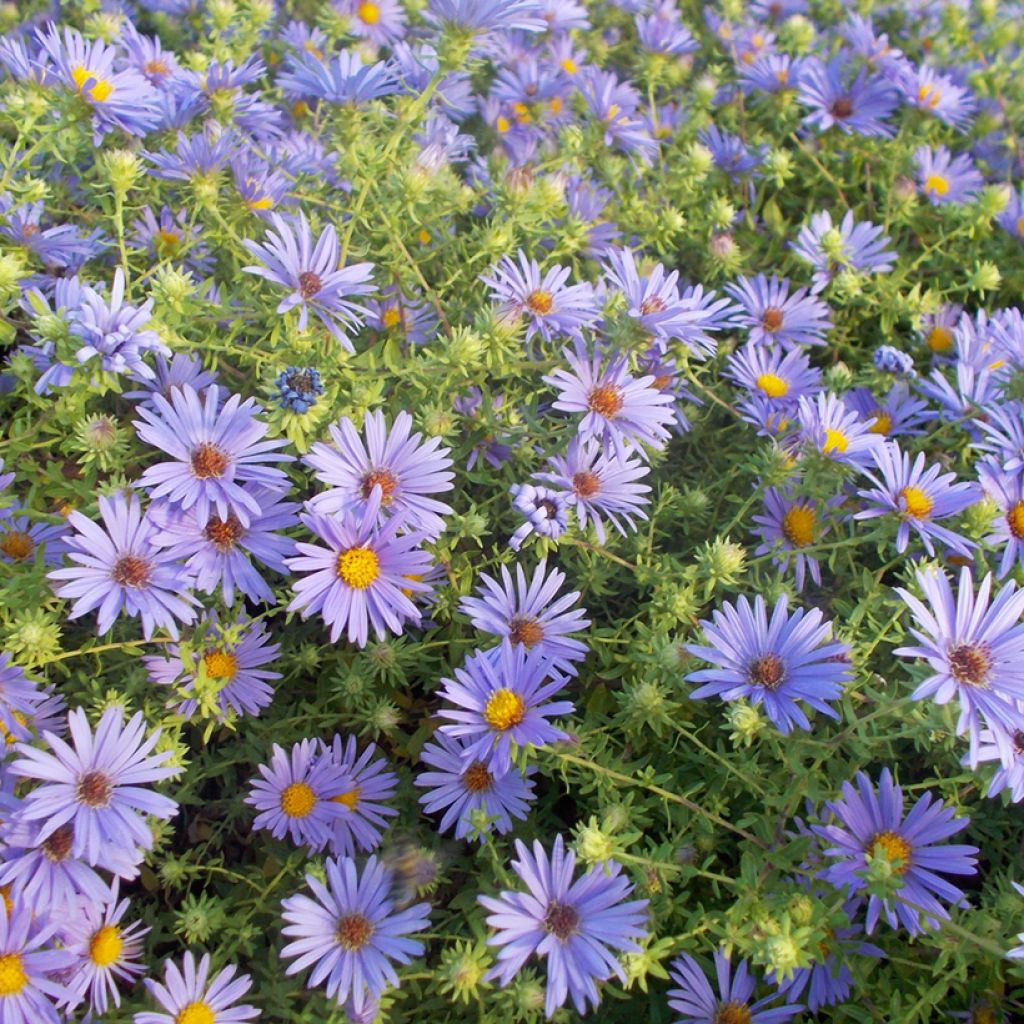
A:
(1001, 435)
(858, 105)
(29, 966)
(772, 662)
(404, 467)
(788, 526)
(313, 274)
(1006, 776)
(1007, 490)
(364, 577)
(919, 496)
(545, 511)
(214, 449)
(851, 245)
(501, 698)
(172, 375)
(120, 569)
(381, 21)
(829, 427)
(576, 926)
(366, 812)
(618, 409)
(944, 178)
(869, 823)
(188, 995)
(468, 792)
(898, 414)
(927, 89)
(599, 484)
(225, 669)
(698, 1002)
(771, 314)
(552, 307)
(1012, 217)
(295, 795)
(482, 17)
(105, 951)
(98, 786)
(975, 652)
(351, 931)
(775, 380)
(343, 79)
(19, 700)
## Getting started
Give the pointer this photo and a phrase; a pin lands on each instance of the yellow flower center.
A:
(220, 664)
(12, 975)
(540, 302)
(16, 545)
(297, 800)
(894, 846)
(423, 237)
(835, 441)
(940, 338)
(369, 13)
(1015, 520)
(477, 778)
(263, 203)
(772, 385)
(349, 799)
(918, 504)
(358, 567)
(798, 525)
(930, 95)
(1020, 225)
(569, 66)
(502, 124)
(606, 400)
(391, 317)
(504, 710)
(882, 423)
(101, 88)
(196, 1013)
(733, 1013)
(167, 243)
(936, 184)
(354, 931)
(106, 945)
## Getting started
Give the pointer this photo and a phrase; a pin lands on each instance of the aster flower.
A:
(775, 380)
(831, 428)
(974, 652)
(1007, 490)
(926, 89)
(343, 79)
(98, 785)
(404, 468)
(788, 526)
(366, 812)
(23, 539)
(944, 178)
(858, 105)
(365, 575)
(771, 314)
(173, 375)
(531, 613)
(545, 511)
(214, 450)
(195, 156)
(380, 21)
(1001, 435)
(898, 414)
(551, 306)
(1012, 217)
(225, 669)
(851, 245)
(730, 154)
(918, 495)
(502, 700)
(772, 73)
(772, 662)
(19, 700)
(172, 237)
(105, 951)
(615, 106)
(698, 1002)
(190, 990)
(483, 17)
(465, 791)
(576, 926)
(409, 319)
(59, 246)
(295, 795)
(1009, 775)
(118, 568)
(313, 274)
(28, 986)
(869, 823)
(351, 931)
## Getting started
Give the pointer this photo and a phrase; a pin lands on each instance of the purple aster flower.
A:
(618, 409)
(899, 413)
(488, 16)
(23, 539)
(28, 986)
(60, 246)
(313, 274)
(364, 577)
(772, 73)
(789, 525)
(172, 237)
(1007, 776)
(531, 614)
(380, 21)
(366, 812)
(113, 331)
(173, 376)
(228, 663)
(771, 314)
(342, 79)
(615, 105)
(852, 245)
(831, 428)
(890, 359)
(403, 467)
(105, 951)
(937, 94)
(698, 1003)
(468, 790)
(857, 105)
(196, 156)
(551, 306)
(1001, 434)
(599, 484)
(351, 931)
(918, 496)
(730, 154)
(1012, 217)
(775, 379)
(146, 55)
(974, 652)
(260, 187)
(975, 393)
(1007, 490)
(870, 824)
(214, 450)
(410, 320)
(577, 926)
(775, 662)
(545, 512)
(98, 786)
(663, 32)
(119, 569)
(502, 700)
(944, 178)
(189, 990)
(295, 795)
(19, 700)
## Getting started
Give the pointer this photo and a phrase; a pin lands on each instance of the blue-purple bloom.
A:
(545, 511)
(854, 245)
(771, 314)
(834, 430)
(1007, 490)
(788, 526)
(576, 926)
(190, 987)
(858, 103)
(342, 79)
(944, 178)
(31, 965)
